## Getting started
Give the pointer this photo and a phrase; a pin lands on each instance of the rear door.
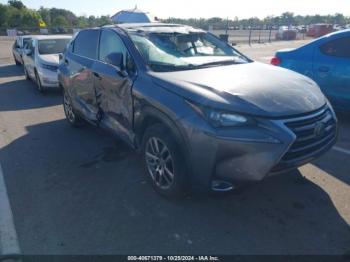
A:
(113, 85)
(80, 62)
(332, 70)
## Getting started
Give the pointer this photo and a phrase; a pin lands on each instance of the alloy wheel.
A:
(68, 109)
(159, 163)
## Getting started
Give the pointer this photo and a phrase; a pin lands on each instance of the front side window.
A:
(110, 45)
(52, 46)
(86, 42)
(25, 41)
(30, 46)
(177, 51)
(339, 47)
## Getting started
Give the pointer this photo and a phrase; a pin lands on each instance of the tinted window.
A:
(339, 47)
(110, 43)
(26, 40)
(85, 43)
(29, 45)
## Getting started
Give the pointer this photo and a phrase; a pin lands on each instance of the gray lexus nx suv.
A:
(201, 113)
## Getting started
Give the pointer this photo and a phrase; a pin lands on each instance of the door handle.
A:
(323, 69)
(97, 75)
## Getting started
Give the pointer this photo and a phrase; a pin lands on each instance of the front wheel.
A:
(38, 83)
(164, 162)
(26, 73)
(71, 116)
(16, 61)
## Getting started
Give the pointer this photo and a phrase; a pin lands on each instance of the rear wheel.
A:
(71, 116)
(164, 162)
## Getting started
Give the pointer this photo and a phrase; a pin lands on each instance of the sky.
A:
(198, 8)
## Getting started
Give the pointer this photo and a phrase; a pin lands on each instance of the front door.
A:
(28, 60)
(113, 85)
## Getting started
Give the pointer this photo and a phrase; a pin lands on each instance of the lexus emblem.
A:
(319, 129)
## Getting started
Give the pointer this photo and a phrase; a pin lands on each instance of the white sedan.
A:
(41, 59)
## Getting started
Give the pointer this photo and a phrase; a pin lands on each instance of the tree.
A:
(287, 18)
(16, 4)
(4, 15)
(30, 18)
(60, 21)
(45, 15)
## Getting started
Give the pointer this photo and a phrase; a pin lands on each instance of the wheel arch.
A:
(151, 116)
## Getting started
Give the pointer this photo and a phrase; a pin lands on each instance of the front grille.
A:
(315, 133)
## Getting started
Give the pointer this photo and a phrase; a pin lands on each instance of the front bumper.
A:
(249, 154)
(48, 78)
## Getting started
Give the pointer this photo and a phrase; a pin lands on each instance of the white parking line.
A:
(342, 150)
(8, 236)
(3, 65)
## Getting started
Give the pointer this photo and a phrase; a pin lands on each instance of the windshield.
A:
(178, 51)
(52, 46)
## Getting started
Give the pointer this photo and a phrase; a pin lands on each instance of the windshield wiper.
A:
(224, 62)
(170, 67)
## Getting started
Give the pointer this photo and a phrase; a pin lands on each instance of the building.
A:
(133, 16)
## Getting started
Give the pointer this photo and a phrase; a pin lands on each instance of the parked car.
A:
(325, 60)
(41, 58)
(199, 111)
(318, 30)
(286, 33)
(302, 29)
(18, 47)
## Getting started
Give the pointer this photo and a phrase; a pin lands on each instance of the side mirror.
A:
(60, 56)
(116, 59)
(28, 52)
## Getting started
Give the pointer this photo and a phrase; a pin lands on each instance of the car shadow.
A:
(11, 71)
(81, 191)
(22, 94)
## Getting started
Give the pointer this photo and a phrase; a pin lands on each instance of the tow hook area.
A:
(221, 186)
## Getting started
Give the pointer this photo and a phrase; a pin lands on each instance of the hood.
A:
(252, 88)
(52, 59)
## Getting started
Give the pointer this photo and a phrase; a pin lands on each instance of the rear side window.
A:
(85, 44)
(339, 47)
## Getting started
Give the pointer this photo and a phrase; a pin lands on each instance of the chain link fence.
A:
(248, 36)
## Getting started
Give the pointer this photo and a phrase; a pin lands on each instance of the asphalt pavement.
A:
(82, 191)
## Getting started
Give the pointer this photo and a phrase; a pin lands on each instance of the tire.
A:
(41, 89)
(26, 73)
(164, 162)
(69, 111)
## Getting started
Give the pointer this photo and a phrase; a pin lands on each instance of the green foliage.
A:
(16, 4)
(16, 15)
(60, 21)
(4, 15)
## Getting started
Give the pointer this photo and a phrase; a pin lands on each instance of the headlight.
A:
(223, 119)
(218, 118)
(49, 67)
